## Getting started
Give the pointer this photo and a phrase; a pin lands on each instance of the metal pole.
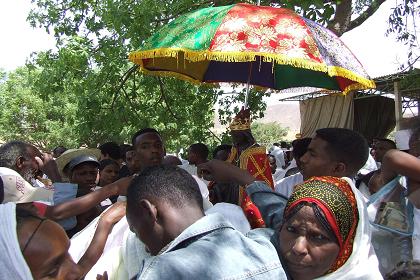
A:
(398, 105)
(249, 75)
(247, 85)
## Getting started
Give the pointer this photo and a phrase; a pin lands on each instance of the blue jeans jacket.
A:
(212, 249)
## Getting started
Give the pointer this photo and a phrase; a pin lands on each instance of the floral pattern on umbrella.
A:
(265, 46)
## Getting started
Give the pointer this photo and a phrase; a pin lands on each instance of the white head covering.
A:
(278, 154)
(402, 138)
(12, 264)
(362, 263)
(369, 166)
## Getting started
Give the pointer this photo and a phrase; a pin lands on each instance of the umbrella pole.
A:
(247, 85)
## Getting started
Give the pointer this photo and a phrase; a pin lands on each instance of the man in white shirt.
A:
(337, 152)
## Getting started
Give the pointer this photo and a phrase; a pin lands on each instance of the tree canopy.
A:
(87, 92)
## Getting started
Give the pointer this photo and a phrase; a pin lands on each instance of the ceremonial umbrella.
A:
(258, 45)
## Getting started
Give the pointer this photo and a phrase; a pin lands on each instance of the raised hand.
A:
(48, 165)
(223, 172)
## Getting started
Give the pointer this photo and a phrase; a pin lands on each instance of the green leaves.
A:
(268, 133)
(87, 91)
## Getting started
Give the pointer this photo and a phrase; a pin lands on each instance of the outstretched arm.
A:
(270, 203)
(82, 204)
(97, 245)
(396, 162)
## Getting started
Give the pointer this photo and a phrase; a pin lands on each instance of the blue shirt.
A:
(212, 249)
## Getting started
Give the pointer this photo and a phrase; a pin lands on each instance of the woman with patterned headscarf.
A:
(321, 232)
(320, 222)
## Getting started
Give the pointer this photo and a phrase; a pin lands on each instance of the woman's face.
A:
(109, 174)
(47, 252)
(307, 249)
(272, 162)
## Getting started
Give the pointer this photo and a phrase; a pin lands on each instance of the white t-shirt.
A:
(192, 169)
(285, 186)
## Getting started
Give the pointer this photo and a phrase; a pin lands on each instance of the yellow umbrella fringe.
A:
(195, 56)
(335, 71)
(356, 86)
(169, 74)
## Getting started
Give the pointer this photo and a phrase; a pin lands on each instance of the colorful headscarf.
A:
(336, 200)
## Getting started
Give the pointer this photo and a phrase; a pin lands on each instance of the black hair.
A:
(388, 141)
(200, 149)
(105, 162)
(169, 183)
(12, 150)
(59, 150)
(346, 146)
(415, 135)
(405, 271)
(124, 148)
(300, 146)
(112, 149)
(284, 145)
(143, 131)
(222, 147)
(319, 215)
(171, 160)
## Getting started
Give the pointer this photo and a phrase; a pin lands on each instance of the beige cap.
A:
(17, 190)
(70, 154)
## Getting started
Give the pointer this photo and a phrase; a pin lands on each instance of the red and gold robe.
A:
(255, 160)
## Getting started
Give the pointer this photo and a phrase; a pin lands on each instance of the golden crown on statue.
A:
(242, 121)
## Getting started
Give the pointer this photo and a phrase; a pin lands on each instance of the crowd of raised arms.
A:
(332, 206)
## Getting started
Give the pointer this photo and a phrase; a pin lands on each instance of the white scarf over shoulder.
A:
(362, 263)
(12, 264)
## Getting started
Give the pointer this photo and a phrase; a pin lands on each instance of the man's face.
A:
(84, 175)
(238, 138)
(191, 157)
(133, 163)
(272, 162)
(379, 149)
(149, 149)
(30, 166)
(317, 161)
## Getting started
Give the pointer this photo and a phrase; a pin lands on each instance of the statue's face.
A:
(239, 137)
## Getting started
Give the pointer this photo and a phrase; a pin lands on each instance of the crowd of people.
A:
(327, 207)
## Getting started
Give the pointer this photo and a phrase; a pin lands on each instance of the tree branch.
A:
(163, 97)
(365, 15)
(183, 11)
(131, 103)
(122, 81)
(342, 17)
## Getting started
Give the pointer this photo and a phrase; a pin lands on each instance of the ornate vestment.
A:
(254, 159)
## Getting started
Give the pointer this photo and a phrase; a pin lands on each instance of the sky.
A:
(19, 39)
(377, 53)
